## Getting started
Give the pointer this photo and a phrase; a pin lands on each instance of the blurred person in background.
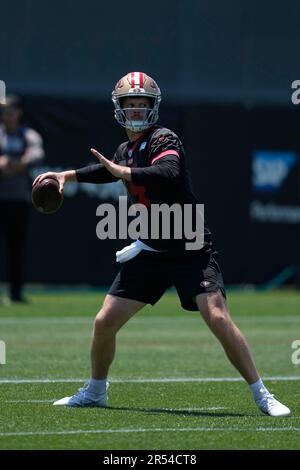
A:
(20, 149)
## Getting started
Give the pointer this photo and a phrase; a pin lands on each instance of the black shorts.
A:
(147, 276)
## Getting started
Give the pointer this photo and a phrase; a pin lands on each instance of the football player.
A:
(152, 165)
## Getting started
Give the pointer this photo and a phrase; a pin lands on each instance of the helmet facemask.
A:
(136, 85)
(122, 115)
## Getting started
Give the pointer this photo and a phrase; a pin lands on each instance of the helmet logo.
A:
(119, 84)
(135, 90)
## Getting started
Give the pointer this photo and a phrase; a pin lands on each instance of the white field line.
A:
(150, 380)
(28, 401)
(162, 320)
(144, 430)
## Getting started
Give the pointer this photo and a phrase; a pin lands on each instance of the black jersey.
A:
(158, 172)
(158, 176)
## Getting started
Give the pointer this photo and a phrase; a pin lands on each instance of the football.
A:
(46, 197)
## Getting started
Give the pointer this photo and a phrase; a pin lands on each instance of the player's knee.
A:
(218, 319)
(105, 322)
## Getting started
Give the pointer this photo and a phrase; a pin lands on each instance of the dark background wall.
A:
(225, 70)
(238, 50)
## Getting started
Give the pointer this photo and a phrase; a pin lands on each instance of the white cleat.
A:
(84, 398)
(272, 407)
(62, 401)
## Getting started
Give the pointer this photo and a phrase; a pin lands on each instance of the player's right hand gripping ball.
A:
(46, 197)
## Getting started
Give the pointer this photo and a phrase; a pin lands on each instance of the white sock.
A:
(97, 386)
(258, 389)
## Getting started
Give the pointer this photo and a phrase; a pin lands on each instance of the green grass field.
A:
(171, 385)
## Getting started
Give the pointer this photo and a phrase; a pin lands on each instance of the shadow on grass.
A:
(178, 412)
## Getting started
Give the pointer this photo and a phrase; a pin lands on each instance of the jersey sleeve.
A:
(164, 171)
(163, 160)
(97, 174)
(163, 143)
